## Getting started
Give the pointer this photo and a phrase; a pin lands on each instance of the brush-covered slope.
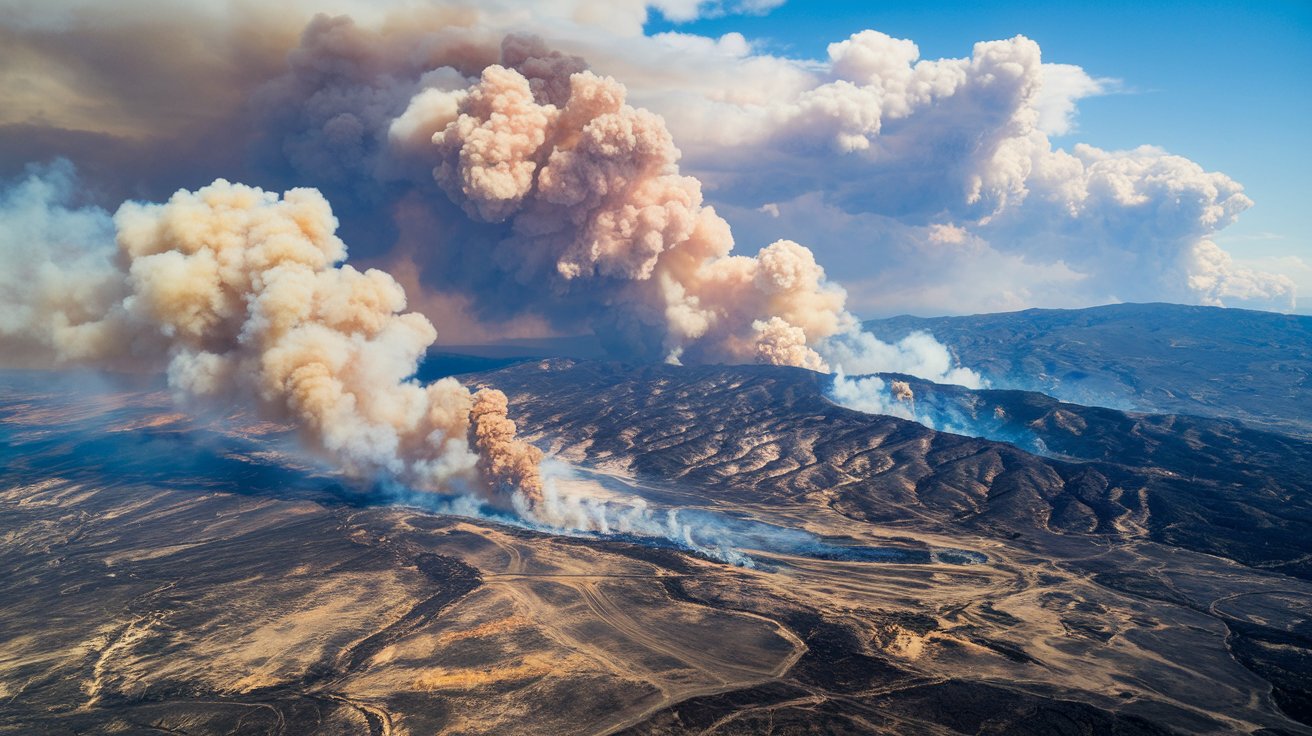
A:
(756, 434)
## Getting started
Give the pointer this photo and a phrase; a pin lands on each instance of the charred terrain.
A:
(1086, 571)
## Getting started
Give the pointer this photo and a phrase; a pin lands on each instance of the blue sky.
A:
(1224, 84)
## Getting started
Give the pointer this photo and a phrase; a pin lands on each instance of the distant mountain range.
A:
(1163, 358)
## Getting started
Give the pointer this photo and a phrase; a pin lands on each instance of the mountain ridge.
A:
(1162, 358)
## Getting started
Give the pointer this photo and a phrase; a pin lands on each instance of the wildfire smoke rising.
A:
(934, 184)
(568, 202)
(568, 198)
(236, 293)
(595, 203)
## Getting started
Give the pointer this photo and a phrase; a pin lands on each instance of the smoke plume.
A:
(508, 173)
(513, 176)
(593, 215)
(510, 464)
(933, 184)
(595, 206)
(238, 294)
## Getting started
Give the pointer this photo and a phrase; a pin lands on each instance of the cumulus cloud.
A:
(1146, 214)
(892, 267)
(920, 145)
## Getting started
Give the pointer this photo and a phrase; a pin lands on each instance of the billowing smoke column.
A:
(571, 200)
(593, 205)
(237, 293)
(530, 187)
(512, 466)
(938, 184)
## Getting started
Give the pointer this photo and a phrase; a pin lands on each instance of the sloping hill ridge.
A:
(177, 553)
(1164, 358)
(757, 433)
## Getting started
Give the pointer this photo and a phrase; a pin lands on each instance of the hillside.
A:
(1163, 358)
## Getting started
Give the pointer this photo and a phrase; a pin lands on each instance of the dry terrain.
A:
(167, 574)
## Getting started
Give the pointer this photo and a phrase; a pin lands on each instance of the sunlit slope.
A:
(761, 435)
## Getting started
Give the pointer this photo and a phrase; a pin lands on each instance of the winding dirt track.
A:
(702, 670)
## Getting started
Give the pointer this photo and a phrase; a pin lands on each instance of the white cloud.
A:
(1295, 268)
(874, 132)
(1063, 86)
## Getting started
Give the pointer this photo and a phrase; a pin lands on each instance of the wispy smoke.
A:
(59, 285)
(583, 502)
(941, 408)
(874, 395)
(917, 354)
